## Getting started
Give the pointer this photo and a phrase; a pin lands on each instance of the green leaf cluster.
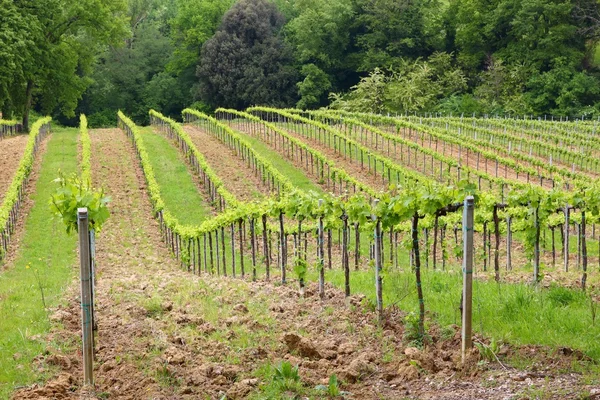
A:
(73, 193)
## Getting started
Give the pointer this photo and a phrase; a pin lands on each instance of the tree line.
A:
(531, 57)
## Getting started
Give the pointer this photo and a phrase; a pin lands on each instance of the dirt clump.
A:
(302, 346)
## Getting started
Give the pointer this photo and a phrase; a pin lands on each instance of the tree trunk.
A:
(346, 255)
(435, 235)
(497, 245)
(28, 100)
(415, 238)
(357, 246)
(583, 251)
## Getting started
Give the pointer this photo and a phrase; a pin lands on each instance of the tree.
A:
(63, 38)
(246, 62)
(313, 88)
(132, 78)
(412, 86)
(16, 48)
(195, 22)
(321, 37)
(391, 29)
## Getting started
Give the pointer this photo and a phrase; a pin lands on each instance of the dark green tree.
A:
(132, 78)
(246, 62)
(387, 30)
(321, 36)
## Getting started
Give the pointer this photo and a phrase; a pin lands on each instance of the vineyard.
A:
(281, 253)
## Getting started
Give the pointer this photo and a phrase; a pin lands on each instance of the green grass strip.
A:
(177, 187)
(45, 258)
(86, 151)
(298, 178)
(512, 313)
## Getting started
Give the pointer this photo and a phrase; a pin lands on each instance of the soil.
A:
(235, 173)
(470, 158)
(11, 152)
(26, 205)
(165, 333)
(352, 168)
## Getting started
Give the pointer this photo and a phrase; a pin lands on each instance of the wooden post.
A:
(467, 276)
(282, 244)
(378, 288)
(566, 239)
(345, 254)
(266, 247)
(536, 248)
(508, 243)
(86, 296)
(321, 255)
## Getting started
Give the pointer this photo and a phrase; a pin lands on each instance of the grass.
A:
(514, 313)
(46, 257)
(178, 190)
(297, 176)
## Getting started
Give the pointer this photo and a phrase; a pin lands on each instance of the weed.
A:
(153, 306)
(332, 389)
(411, 331)
(165, 376)
(488, 353)
(447, 332)
(285, 371)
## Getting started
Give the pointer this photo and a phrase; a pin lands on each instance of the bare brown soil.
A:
(167, 334)
(237, 176)
(11, 152)
(351, 167)
(470, 158)
(15, 240)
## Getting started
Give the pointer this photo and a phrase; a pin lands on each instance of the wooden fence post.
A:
(377, 256)
(567, 229)
(467, 295)
(86, 296)
(321, 255)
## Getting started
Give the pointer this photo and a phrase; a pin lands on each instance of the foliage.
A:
(411, 86)
(193, 24)
(332, 388)
(133, 78)
(86, 152)
(393, 29)
(313, 88)
(246, 62)
(12, 194)
(53, 64)
(73, 193)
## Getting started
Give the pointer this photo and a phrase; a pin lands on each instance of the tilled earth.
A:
(237, 177)
(165, 333)
(29, 188)
(11, 152)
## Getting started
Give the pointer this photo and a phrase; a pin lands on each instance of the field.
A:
(243, 249)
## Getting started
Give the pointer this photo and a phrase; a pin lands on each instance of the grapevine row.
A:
(13, 199)
(215, 188)
(541, 148)
(338, 180)
(8, 128)
(86, 152)
(475, 145)
(269, 175)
